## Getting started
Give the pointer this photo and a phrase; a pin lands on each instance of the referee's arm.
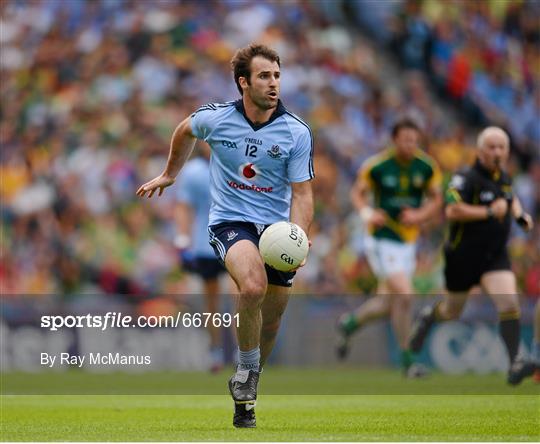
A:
(524, 220)
(464, 212)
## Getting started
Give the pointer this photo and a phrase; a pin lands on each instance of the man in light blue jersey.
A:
(260, 173)
(196, 254)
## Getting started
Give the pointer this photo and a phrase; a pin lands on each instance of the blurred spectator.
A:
(484, 56)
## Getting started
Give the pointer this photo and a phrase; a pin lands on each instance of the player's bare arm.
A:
(524, 219)
(182, 144)
(416, 216)
(464, 212)
(302, 205)
(359, 198)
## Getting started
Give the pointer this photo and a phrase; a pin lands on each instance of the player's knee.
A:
(254, 289)
(399, 285)
(271, 328)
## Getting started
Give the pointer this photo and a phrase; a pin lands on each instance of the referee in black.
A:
(480, 208)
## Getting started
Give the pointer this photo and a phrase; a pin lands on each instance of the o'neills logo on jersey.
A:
(241, 186)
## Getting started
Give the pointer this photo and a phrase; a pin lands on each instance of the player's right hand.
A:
(499, 207)
(378, 218)
(159, 183)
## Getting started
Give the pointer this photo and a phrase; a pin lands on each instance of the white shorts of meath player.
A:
(387, 257)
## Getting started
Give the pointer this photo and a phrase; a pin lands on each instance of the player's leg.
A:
(211, 295)
(401, 297)
(374, 308)
(273, 307)
(272, 310)
(399, 261)
(245, 265)
(502, 288)
(461, 273)
(451, 307)
(448, 309)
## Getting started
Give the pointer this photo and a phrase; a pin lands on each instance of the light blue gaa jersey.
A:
(252, 166)
(193, 189)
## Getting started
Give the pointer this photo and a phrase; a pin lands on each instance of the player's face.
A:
(263, 88)
(494, 151)
(406, 142)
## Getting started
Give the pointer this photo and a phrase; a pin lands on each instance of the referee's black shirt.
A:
(478, 186)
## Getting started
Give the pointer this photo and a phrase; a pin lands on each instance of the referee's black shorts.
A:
(464, 267)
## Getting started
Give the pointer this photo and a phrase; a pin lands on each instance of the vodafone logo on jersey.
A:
(243, 187)
(249, 171)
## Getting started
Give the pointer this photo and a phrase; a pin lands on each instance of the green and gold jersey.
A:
(396, 185)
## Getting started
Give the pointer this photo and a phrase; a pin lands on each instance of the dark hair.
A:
(405, 122)
(241, 62)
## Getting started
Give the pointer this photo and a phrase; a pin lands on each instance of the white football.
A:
(283, 246)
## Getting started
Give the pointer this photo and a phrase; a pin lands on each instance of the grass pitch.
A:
(509, 415)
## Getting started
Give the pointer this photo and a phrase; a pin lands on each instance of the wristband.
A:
(366, 214)
(490, 213)
(521, 221)
(182, 241)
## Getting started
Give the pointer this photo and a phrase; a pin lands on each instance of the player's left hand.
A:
(410, 216)
(525, 222)
(159, 183)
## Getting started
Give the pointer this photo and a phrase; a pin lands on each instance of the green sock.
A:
(406, 359)
(350, 324)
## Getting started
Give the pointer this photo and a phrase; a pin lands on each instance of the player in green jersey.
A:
(405, 184)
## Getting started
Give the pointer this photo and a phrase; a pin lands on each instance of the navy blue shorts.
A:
(223, 236)
(205, 267)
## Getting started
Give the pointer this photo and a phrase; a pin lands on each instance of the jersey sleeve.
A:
(185, 191)
(202, 121)
(300, 166)
(435, 180)
(459, 189)
(365, 174)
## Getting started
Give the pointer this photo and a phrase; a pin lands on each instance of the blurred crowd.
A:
(92, 90)
(484, 56)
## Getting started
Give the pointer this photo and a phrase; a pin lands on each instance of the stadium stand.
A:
(92, 90)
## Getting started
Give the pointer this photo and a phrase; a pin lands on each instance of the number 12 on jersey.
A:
(251, 150)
